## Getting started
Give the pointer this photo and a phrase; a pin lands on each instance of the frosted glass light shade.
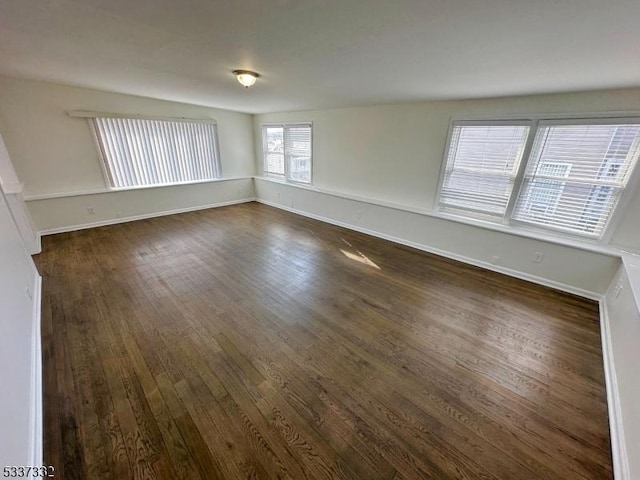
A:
(246, 77)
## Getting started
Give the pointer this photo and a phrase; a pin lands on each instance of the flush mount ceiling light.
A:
(246, 77)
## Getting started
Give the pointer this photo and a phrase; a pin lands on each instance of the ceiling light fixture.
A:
(246, 77)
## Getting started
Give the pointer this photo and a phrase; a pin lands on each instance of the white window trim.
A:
(534, 121)
(285, 177)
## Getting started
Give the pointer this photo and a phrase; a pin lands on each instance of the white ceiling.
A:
(323, 53)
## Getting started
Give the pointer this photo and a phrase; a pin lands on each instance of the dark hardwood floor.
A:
(247, 342)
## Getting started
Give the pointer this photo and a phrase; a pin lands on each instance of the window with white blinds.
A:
(570, 181)
(481, 168)
(287, 151)
(576, 174)
(273, 140)
(139, 152)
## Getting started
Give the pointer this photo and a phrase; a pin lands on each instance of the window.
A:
(570, 181)
(481, 168)
(139, 152)
(287, 151)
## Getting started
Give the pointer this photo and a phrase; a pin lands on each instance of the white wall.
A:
(19, 327)
(393, 154)
(54, 153)
(621, 332)
(24, 222)
(64, 213)
(8, 177)
(12, 188)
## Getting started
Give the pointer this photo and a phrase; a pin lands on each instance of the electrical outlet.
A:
(495, 259)
(538, 257)
(91, 210)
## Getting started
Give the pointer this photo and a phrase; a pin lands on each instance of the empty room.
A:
(320, 239)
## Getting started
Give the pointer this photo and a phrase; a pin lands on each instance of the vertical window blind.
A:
(481, 168)
(576, 174)
(145, 152)
(287, 151)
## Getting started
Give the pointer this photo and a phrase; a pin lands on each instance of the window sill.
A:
(274, 177)
(521, 232)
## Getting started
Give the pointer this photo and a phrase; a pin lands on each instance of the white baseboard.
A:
(454, 256)
(36, 416)
(616, 427)
(113, 221)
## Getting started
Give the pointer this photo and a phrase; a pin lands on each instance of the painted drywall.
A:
(24, 222)
(12, 187)
(622, 317)
(18, 327)
(8, 177)
(67, 213)
(393, 153)
(54, 153)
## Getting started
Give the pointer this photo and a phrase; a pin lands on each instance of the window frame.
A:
(90, 116)
(465, 122)
(286, 176)
(535, 120)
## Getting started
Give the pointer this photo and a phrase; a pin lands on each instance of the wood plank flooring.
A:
(247, 342)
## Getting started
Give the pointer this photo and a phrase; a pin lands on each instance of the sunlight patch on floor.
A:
(360, 257)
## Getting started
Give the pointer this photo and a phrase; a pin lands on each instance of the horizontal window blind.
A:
(287, 151)
(298, 151)
(145, 152)
(273, 146)
(575, 176)
(481, 167)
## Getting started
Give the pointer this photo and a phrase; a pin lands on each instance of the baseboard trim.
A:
(443, 253)
(133, 218)
(616, 427)
(36, 416)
